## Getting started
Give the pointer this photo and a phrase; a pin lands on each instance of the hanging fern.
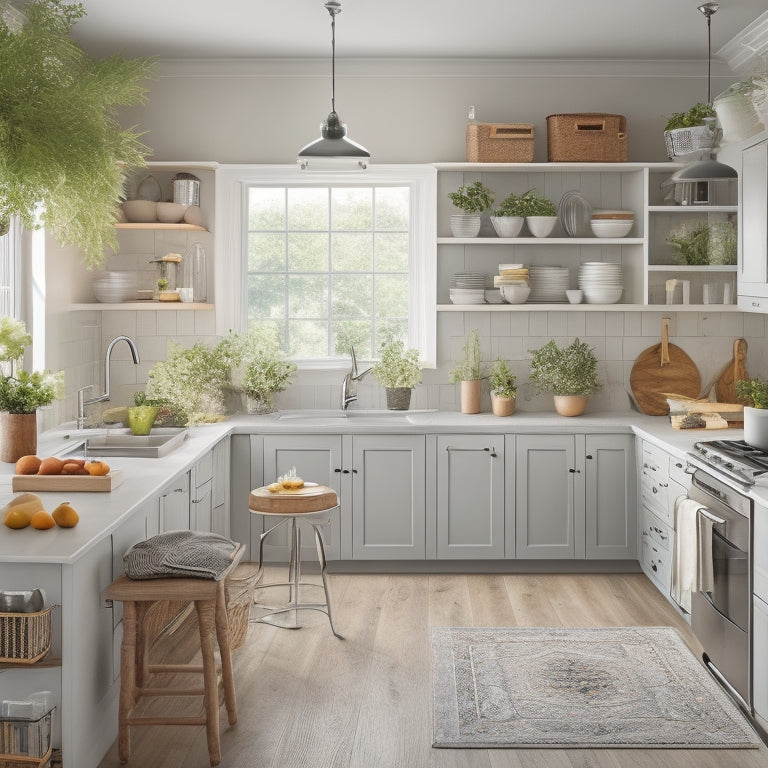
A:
(63, 155)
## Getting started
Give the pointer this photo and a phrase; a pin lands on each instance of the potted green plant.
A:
(398, 371)
(469, 372)
(687, 132)
(259, 368)
(713, 243)
(473, 199)
(64, 154)
(570, 373)
(509, 217)
(540, 213)
(503, 386)
(754, 394)
(21, 393)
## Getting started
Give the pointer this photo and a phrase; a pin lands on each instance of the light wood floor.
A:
(307, 699)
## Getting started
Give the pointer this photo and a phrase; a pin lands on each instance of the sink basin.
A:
(160, 442)
(315, 414)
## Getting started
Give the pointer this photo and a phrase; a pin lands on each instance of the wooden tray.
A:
(310, 498)
(74, 483)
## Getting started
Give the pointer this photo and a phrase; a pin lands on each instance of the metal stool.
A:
(312, 504)
(209, 598)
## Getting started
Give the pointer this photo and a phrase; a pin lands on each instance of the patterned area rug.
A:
(565, 688)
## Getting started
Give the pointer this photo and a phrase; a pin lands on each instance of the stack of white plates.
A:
(467, 288)
(114, 287)
(574, 213)
(602, 283)
(549, 284)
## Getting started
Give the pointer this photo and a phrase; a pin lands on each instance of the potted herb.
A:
(64, 154)
(569, 373)
(754, 394)
(473, 199)
(687, 132)
(540, 213)
(469, 372)
(259, 366)
(398, 371)
(503, 385)
(21, 393)
(713, 243)
(509, 217)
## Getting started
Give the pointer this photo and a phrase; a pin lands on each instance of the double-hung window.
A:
(333, 260)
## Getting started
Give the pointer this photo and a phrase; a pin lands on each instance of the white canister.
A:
(756, 427)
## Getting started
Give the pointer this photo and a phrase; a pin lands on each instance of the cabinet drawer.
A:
(204, 469)
(677, 472)
(655, 529)
(657, 563)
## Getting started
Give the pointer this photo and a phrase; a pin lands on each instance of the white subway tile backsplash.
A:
(537, 324)
(754, 324)
(557, 323)
(117, 323)
(577, 324)
(146, 323)
(166, 323)
(594, 323)
(632, 325)
(205, 323)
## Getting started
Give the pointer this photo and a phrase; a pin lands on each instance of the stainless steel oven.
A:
(721, 610)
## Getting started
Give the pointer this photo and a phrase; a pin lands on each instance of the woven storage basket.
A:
(20, 761)
(588, 137)
(500, 143)
(25, 637)
(240, 591)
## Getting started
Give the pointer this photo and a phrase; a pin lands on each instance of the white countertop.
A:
(101, 513)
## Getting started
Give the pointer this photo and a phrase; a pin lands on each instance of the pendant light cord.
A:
(709, 58)
(333, 61)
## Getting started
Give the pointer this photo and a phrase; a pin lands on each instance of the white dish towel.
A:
(685, 565)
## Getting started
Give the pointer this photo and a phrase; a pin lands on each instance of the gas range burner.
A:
(736, 459)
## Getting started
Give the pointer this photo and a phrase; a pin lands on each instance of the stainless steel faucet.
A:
(81, 401)
(348, 390)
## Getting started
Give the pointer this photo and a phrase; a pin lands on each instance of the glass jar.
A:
(194, 273)
(167, 277)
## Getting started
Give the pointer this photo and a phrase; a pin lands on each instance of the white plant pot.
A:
(738, 117)
(756, 427)
(541, 226)
(507, 226)
(465, 225)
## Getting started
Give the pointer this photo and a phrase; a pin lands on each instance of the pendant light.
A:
(333, 150)
(708, 169)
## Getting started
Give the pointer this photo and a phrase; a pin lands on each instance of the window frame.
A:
(232, 183)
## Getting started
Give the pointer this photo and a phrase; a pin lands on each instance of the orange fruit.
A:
(97, 467)
(50, 466)
(42, 520)
(64, 516)
(16, 517)
(28, 465)
(19, 510)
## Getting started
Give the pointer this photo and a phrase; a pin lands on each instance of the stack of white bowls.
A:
(114, 287)
(611, 223)
(467, 288)
(549, 284)
(601, 283)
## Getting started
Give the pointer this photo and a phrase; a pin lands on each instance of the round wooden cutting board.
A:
(660, 370)
(310, 498)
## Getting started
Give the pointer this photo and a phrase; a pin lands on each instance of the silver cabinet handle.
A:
(713, 518)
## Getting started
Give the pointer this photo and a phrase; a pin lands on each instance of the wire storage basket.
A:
(25, 637)
(26, 742)
(683, 141)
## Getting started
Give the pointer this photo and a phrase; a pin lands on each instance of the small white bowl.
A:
(541, 226)
(611, 227)
(171, 213)
(140, 211)
(606, 294)
(575, 296)
(507, 226)
(515, 294)
(193, 215)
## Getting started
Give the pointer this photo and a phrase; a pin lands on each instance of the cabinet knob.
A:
(588, 456)
(575, 471)
(344, 471)
(338, 469)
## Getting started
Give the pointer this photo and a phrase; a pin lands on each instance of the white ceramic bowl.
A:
(515, 294)
(611, 227)
(507, 226)
(575, 296)
(140, 211)
(541, 226)
(193, 215)
(171, 213)
(607, 294)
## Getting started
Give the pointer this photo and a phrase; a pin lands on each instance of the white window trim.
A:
(231, 181)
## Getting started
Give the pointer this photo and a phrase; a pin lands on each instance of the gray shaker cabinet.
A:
(470, 496)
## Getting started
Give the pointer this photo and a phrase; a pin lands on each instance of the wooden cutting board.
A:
(725, 387)
(73, 483)
(660, 369)
(311, 498)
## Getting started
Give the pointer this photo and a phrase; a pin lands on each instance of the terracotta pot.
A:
(571, 405)
(398, 398)
(470, 396)
(503, 406)
(18, 436)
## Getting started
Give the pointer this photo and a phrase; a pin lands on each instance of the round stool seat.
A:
(310, 498)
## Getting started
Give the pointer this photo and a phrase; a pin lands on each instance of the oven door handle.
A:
(714, 519)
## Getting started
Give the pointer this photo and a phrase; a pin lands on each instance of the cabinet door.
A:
(174, 506)
(546, 508)
(388, 497)
(760, 659)
(221, 487)
(610, 512)
(317, 458)
(754, 221)
(470, 496)
(201, 509)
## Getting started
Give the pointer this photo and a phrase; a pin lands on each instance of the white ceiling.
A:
(544, 29)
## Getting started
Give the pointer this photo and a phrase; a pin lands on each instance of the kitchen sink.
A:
(118, 442)
(318, 417)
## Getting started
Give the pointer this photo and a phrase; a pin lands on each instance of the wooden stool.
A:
(313, 503)
(209, 598)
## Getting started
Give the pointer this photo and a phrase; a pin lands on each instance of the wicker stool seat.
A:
(311, 504)
(209, 599)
